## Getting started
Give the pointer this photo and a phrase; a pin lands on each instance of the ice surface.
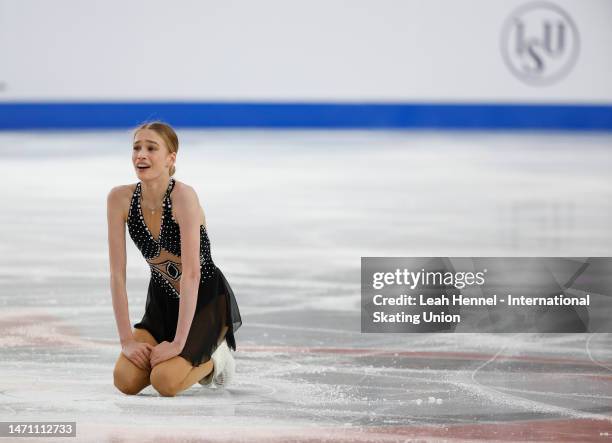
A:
(289, 216)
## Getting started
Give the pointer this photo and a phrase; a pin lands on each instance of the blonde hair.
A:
(167, 134)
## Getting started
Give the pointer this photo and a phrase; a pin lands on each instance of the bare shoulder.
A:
(186, 199)
(184, 194)
(121, 193)
(119, 198)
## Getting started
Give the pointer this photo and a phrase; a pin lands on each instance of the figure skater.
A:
(191, 313)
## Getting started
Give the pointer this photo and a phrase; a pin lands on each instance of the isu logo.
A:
(540, 43)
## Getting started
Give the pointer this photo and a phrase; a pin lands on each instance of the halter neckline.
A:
(163, 215)
(168, 189)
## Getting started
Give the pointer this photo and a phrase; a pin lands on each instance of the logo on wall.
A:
(540, 43)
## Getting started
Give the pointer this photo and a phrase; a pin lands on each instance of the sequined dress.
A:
(216, 305)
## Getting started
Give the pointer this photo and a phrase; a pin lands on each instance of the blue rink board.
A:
(277, 115)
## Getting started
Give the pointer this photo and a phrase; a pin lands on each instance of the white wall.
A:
(311, 50)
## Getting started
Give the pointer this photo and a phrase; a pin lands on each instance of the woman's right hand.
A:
(138, 353)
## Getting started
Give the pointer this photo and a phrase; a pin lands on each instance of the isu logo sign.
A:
(540, 43)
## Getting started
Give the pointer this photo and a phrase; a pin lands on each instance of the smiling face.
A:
(150, 151)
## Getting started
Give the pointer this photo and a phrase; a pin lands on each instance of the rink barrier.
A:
(371, 116)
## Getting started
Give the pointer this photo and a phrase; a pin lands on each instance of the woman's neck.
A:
(153, 191)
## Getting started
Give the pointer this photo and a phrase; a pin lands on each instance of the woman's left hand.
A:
(164, 351)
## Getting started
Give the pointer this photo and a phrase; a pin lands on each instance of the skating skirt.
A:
(216, 307)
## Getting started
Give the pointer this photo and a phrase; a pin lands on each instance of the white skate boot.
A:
(224, 367)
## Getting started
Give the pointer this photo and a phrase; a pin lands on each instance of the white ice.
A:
(289, 215)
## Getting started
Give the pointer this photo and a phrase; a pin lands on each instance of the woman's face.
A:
(151, 152)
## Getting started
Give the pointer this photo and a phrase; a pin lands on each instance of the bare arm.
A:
(188, 212)
(117, 259)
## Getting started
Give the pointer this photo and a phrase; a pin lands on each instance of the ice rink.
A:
(289, 215)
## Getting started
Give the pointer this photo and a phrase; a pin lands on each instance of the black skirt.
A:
(216, 307)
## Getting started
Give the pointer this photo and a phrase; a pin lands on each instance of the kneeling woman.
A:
(191, 313)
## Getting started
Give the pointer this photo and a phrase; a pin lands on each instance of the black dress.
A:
(216, 305)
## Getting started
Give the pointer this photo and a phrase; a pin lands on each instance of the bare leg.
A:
(128, 377)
